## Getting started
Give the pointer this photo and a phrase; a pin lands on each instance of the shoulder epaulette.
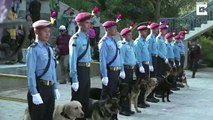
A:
(34, 44)
(75, 36)
(123, 42)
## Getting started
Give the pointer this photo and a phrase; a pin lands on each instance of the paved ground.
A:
(191, 103)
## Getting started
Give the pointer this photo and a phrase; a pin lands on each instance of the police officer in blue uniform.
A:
(182, 50)
(142, 59)
(41, 74)
(110, 62)
(128, 64)
(79, 59)
(170, 56)
(162, 51)
(176, 50)
(151, 38)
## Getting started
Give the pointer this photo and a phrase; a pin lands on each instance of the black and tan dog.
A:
(166, 82)
(104, 109)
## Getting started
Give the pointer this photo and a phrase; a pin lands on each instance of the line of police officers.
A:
(118, 62)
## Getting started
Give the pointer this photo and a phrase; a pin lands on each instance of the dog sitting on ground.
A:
(166, 82)
(182, 80)
(69, 111)
(149, 87)
(104, 109)
(135, 92)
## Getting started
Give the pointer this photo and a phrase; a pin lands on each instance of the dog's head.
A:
(153, 82)
(74, 109)
(112, 105)
(168, 69)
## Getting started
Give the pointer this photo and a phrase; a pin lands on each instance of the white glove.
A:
(75, 86)
(141, 69)
(179, 64)
(166, 61)
(122, 75)
(37, 100)
(105, 81)
(151, 68)
(174, 64)
(57, 94)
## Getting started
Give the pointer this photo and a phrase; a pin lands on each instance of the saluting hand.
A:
(37, 100)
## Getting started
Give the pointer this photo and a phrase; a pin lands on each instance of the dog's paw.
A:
(168, 101)
(163, 100)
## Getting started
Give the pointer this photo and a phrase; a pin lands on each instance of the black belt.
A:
(154, 55)
(84, 64)
(171, 59)
(46, 82)
(113, 68)
(129, 66)
(146, 62)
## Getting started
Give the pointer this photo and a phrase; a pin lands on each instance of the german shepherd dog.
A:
(102, 109)
(149, 87)
(166, 82)
(135, 92)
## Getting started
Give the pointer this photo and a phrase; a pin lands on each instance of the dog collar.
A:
(64, 114)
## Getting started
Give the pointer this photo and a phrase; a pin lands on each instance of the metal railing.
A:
(190, 20)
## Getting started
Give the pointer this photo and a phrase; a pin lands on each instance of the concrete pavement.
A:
(191, 103)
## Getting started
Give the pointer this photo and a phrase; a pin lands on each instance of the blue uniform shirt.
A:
(77, 45)
(176, 50)
(107, 50)
(170, 53)
(127, 54)
(141, 51)
(182, 47)
(152, 45)
(162, 50)
(37, 59)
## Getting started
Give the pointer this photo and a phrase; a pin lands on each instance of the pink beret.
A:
(153, 25)
(142, 27)
(181, 33)
(41, 23)
(82, 16)
(168, 35)
(108, 24)
(125, 31)
(162, 27)
(177, 37)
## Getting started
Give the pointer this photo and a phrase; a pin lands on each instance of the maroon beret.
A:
(82, 16)
(181, 33)
(42, 23)
(153, 25)
(177, 37)
(162, 27)
(142, 27)
(125, 31)
(108, 24)
(168, 35)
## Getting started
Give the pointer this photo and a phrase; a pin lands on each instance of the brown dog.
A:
(149, 87)
(135, 92)
(69, 111)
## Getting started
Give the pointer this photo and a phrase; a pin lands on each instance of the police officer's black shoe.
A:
(131, 112)
(124, 113)
(143, 105)
(153, 100)
(175, 88)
